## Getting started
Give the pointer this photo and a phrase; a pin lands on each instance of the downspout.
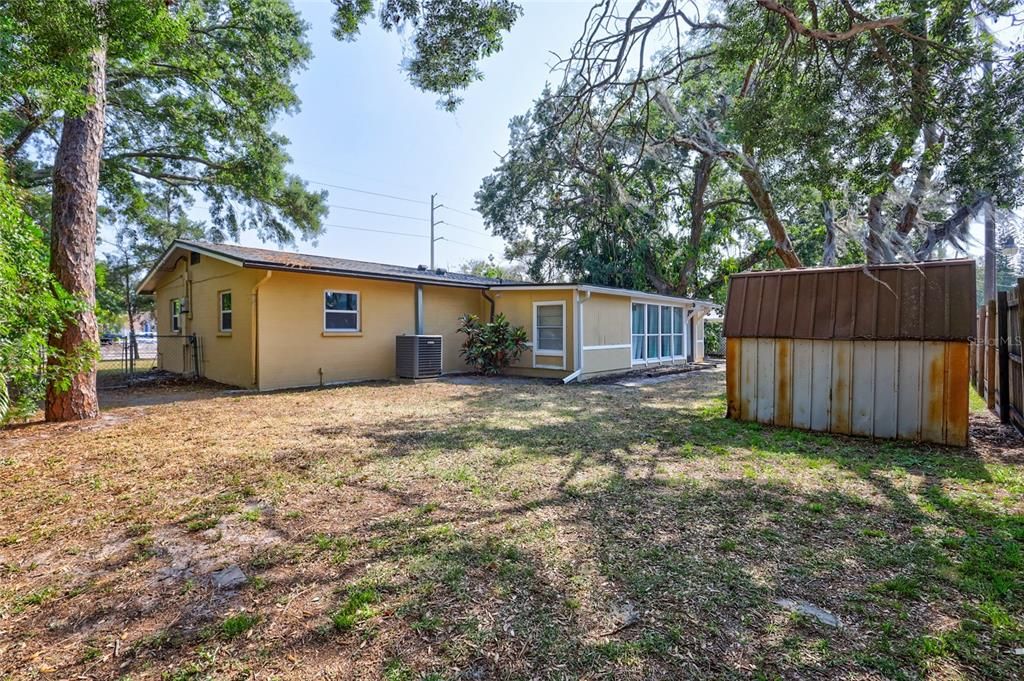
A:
(491, 301)
(186, 324)
(688, 339)
(578, 351)
(254, 343)
(418, 309)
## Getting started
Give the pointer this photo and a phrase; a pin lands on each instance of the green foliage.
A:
(632, 178)
(491, 346)
(714, 342)
(236, 625)
(491, 269)
(357, 606)
(448, 37)
(32, 307)
(573, 206)
(193, 91)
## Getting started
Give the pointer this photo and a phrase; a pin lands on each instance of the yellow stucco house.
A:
(265, 319)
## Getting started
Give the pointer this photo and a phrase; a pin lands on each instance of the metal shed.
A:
(880, 351)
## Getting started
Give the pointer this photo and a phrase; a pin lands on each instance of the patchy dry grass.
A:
(442, 531)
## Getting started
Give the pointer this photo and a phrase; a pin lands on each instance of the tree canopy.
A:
(447, 37)
(190, 110)
(679, 145)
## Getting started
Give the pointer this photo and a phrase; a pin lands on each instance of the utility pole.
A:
(433, 224)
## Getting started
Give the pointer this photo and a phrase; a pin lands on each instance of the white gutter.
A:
(578, 350)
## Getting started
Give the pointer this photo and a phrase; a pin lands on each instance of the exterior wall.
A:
(698, 338)
(606, 334)
(171, 352)
(442, 307)
(223, 357)
(295, 351)
(518, 307)
(906, 389)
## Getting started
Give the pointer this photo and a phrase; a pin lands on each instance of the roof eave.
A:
(146, 288)
(356, 274)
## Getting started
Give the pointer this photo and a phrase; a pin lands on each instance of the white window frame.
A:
(662, 357)
(636, 361)
(660, 335)
(537, 352)
(221, 311)
(175, 315)
(359, 311)
(678, 332)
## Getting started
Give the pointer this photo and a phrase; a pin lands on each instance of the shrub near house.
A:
(491, 347)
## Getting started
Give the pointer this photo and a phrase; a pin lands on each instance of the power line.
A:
(365, 191)
(465, 229)
(463, 243)
(377, 212)
(462, 212)
(410, 234)
(376, 231)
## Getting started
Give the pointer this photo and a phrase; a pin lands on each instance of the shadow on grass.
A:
(935, 576)
(567, 532)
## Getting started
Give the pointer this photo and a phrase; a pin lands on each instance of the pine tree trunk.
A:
(76, 177)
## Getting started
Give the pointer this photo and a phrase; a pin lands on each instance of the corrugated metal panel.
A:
(922, 301)
(914, 390)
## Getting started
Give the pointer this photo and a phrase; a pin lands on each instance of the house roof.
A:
(263, 258)
(267, 259)
(608, 290)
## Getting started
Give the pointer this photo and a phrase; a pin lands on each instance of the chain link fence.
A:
(126, 360)
(714, 339)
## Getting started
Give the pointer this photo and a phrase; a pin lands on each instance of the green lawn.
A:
(509, 531)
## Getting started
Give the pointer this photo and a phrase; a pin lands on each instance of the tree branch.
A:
(797, 26)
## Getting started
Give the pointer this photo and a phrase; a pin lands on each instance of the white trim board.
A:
(624, 292)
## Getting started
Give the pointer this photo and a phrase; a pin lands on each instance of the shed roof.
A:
(904, 301)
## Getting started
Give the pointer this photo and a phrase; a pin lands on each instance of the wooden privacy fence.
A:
(997, 361)
(880, 351)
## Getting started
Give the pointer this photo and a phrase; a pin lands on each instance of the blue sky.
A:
(363, 125)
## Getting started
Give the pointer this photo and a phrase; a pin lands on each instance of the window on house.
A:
(677, 331)
(176, 315)
(653, 331)
(666, 331)
(549, 336)
(341, 311)
(638, 331)
(656, 332)
(225, 311)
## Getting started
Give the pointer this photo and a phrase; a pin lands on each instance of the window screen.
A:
(550, 327)
(225, 311)
(341, 311)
